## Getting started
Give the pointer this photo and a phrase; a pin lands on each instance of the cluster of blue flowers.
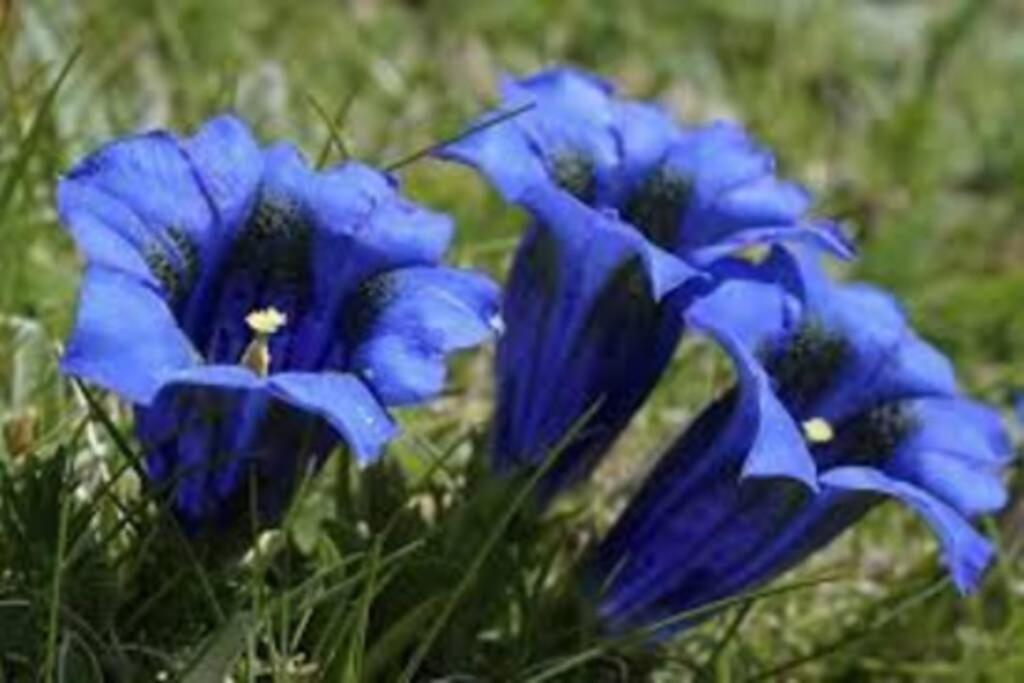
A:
(256, 313)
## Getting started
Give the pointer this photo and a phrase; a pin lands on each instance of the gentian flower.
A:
(255, 311)
(629, 213)
(838, 406)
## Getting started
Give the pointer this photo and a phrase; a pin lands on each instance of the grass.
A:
(902, 115)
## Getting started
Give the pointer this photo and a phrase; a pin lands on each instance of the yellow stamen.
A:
(263, 323)
(266, 321)
(818, 430)
(754, 254)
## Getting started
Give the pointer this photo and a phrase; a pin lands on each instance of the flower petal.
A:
(738, 202)
(199, 432)
(754, 304)
(966, 552)
(407, 320)
(719, 156)
(500, 151)
(570, 115)
(889, 362)
(141, 194)
(645, 132)
(228, 377)
(822, 235)
(693, 532)
(125, 338)
(951, 458)
(604, 241)
(345, 402)
(764, 211)
(591, 326)
(740, 316)
(229, 164)
(357, 208)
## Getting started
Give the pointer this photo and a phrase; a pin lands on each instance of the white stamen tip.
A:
(266, 321)
(818, 430)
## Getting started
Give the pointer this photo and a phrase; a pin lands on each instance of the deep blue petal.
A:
(198, 435)
(142, 193)
(741, 316)
(227, 377)
(572, 90)
(763, 211)
(570, 115)
(988, 422)
(888, 360)
(400, 370)
(765, 201)
(409, 319)
(822, 235)
(605, 241)
(753, 304)
(345, 402)
(645, 132)
(229, 164)
(125, 338)
(736, 201)
(219, 411)
(211, 425)
(311, 240)
(501, 152)
(692, 533)
(951, 458)
(364, 228)
(573, 111)
(590, 328)
(408, 233)
(965, 552)
(365, 222)
(688, 558)
(106, 231)
(718, 157)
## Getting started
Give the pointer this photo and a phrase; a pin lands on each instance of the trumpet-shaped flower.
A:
(838, 405)
(630, 213)
(255, 311)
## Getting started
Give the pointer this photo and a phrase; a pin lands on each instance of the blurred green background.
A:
(903, 116)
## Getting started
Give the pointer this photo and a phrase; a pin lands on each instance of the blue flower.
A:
(630, 212)
(838, 405)
(254, 311)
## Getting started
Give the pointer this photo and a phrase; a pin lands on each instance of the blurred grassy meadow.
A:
(904, 116)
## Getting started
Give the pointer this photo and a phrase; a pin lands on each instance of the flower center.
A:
(277, 240)
(264, 323)
(806, 364)
(268, 264)
(657, 205)
(874, 435)
(575, 173)
(818, 430)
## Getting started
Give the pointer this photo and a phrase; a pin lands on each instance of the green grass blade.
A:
(16, 173)
(129, 454)
(53, 624)
(914, 600)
